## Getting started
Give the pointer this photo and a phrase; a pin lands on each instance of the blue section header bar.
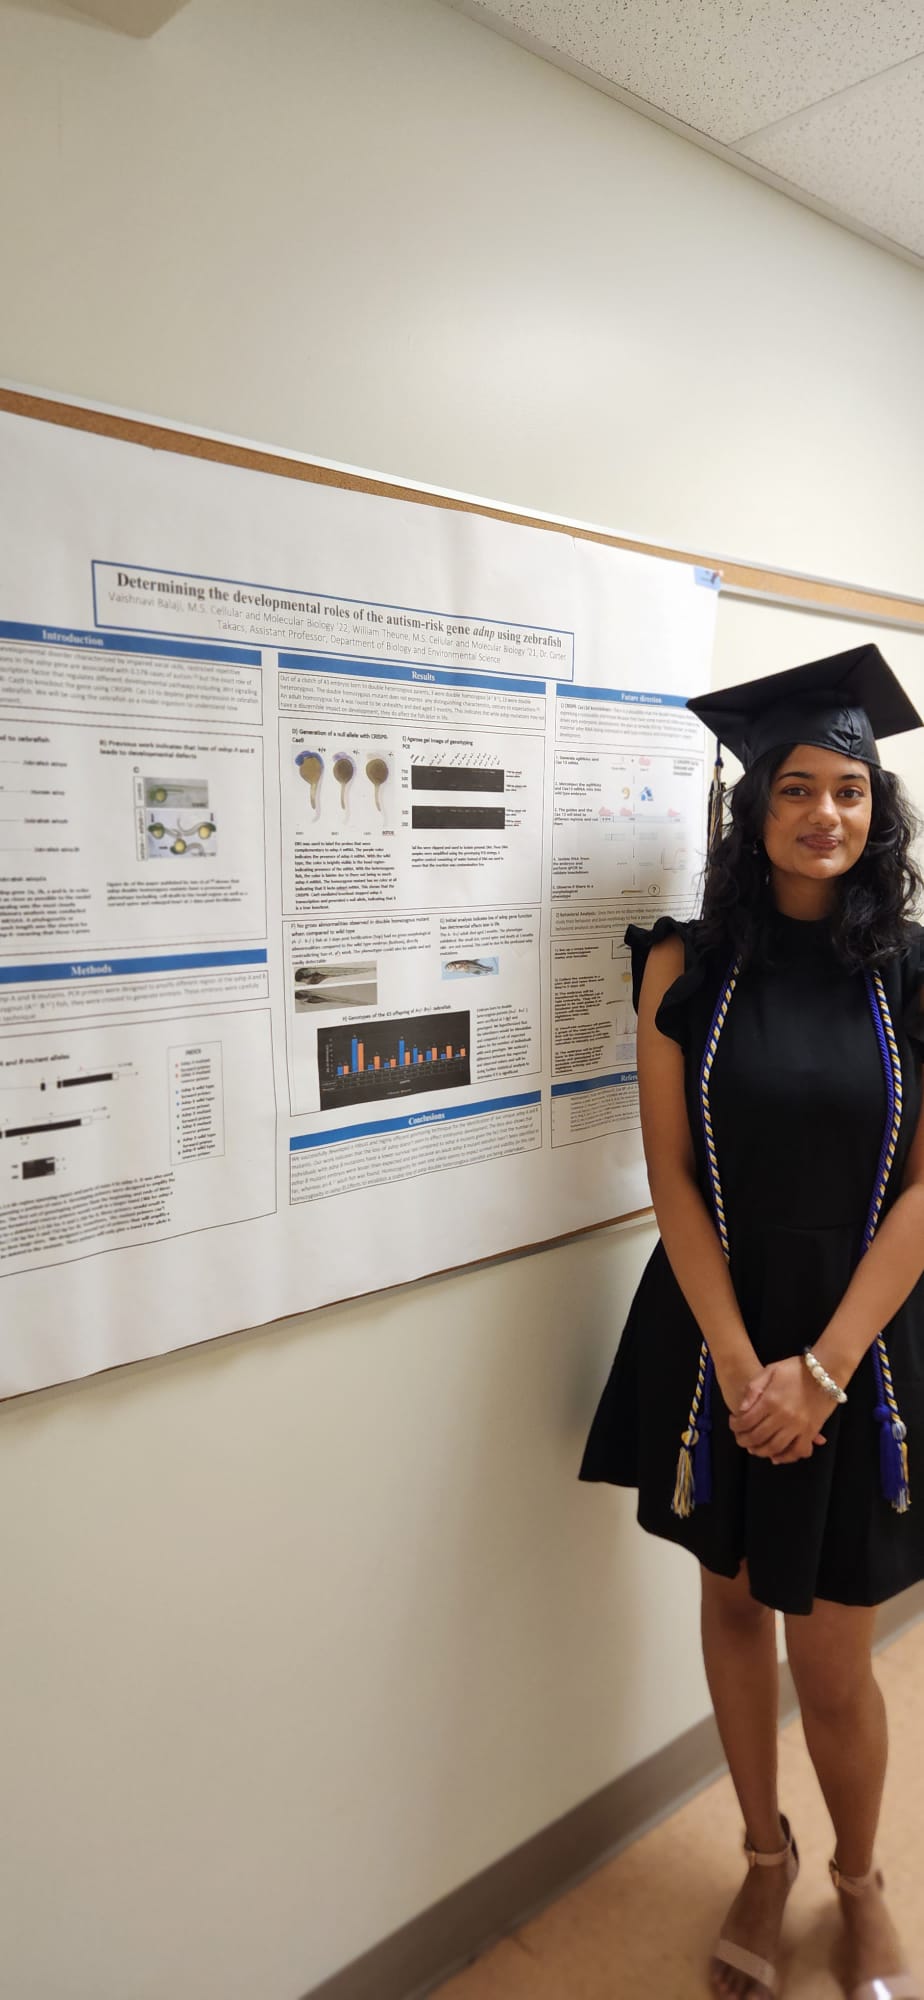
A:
(97, 642)
(383, 670)
(631, 697)
(125, 968)
(305, 1140)
(594, 1082)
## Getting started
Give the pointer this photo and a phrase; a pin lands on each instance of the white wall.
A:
(303, 1629)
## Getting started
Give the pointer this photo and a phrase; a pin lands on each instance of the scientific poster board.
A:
(323, 815)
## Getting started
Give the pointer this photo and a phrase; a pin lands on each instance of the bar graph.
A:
(393, 1058)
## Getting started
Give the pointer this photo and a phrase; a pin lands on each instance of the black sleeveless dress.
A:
(799, 1101)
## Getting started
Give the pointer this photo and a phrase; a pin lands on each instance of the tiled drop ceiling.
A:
(822, 98)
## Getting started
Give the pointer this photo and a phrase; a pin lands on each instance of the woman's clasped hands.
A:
(781, 1413)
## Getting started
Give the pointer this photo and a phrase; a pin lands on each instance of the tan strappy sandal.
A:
(735, 1956)
(895, 1985)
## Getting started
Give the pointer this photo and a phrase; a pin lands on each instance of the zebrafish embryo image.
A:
(344, 772)
(377, 774)
(311, 768)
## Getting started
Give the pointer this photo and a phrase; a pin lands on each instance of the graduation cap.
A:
(841, 703)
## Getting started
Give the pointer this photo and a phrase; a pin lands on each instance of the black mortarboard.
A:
(842, 703)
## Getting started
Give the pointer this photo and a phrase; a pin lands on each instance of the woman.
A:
(768, 1395)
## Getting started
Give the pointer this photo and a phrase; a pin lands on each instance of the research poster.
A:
(322, 817)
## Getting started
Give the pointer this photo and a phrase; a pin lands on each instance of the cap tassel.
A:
(715, 811)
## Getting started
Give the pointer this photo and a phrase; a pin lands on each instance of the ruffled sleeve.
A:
(913, 990)
(673, 1015)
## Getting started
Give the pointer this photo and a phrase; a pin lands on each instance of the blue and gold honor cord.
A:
(693, 1484)
(893, 1448)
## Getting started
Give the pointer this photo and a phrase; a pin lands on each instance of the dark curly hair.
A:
(874, 897)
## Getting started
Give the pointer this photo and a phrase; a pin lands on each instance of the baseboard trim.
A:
(434, 1945)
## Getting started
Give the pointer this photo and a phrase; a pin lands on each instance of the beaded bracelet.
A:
(824, 1380)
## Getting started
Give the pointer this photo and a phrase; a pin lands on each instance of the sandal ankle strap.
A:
(780, 1855)
(855, 1885)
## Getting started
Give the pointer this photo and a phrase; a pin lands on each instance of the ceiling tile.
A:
(862, 153)
(725, 67)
